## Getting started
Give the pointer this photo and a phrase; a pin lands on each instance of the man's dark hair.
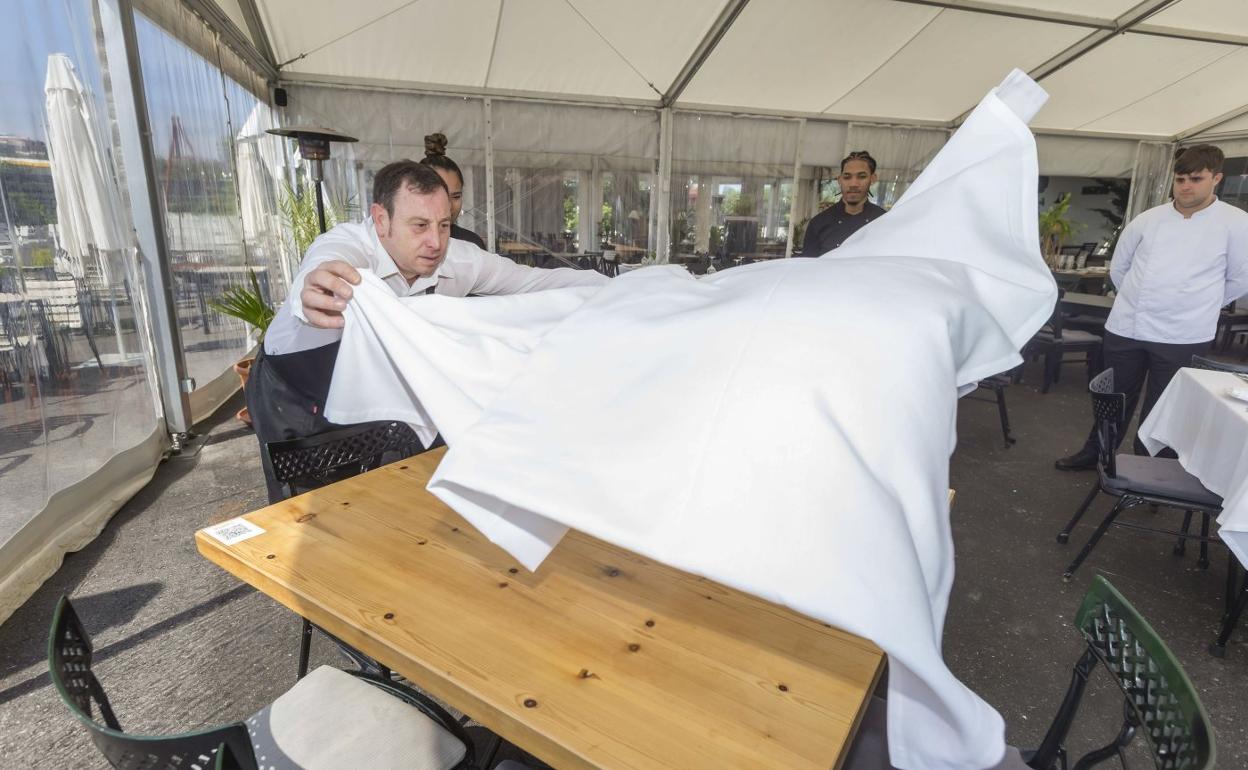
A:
(404, 173)
(1198, 157)
(859, 155)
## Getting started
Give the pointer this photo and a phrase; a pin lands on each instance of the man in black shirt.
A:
(831, 227)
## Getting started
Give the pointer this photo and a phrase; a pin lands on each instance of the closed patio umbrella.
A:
(86, 197)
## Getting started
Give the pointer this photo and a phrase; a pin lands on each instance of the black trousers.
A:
(1144, 367)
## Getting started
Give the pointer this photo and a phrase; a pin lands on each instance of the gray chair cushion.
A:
(1160, 477)
(331, 719)
(869, 750)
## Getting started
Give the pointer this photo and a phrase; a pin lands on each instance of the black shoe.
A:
(1083, 460)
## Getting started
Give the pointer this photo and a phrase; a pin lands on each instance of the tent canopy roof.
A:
(1163, 69)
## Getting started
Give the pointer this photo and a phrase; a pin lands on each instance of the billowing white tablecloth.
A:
(782, 427)
(1209, 431)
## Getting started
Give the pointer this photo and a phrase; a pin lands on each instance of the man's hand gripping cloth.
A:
(783, 428)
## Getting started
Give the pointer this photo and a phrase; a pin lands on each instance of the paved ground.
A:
(180, 644)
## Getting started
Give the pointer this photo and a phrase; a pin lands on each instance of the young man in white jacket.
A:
(1175, 267)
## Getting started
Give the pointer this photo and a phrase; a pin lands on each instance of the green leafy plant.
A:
(1056, 227)
(299, 210)
(246, 304)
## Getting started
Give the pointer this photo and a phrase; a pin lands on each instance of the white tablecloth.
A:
(780, 427)
(1209, 431)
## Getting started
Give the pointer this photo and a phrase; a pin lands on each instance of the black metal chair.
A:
(1054, 341)
(303, 464)
(1137, 480)
(997, 383)
(1236, 603)
(1200, 362)
(1159, 701)
(444, 743)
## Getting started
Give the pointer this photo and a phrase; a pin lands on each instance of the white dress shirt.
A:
(465, 270)
(1173, 274)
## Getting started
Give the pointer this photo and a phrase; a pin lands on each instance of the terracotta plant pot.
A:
(243, 370)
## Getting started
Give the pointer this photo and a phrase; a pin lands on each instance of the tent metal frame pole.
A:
(797, 181)
(134, 128)
(260, 35)
(1078, 20)
(1196, 130)
(727, 15)
(487, 107)
(234, 37)
(663, 236)
(1135, 16)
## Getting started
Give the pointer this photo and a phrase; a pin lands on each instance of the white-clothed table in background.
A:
(1208, 429)
(783, 427)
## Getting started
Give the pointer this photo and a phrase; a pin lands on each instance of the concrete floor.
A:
(180, 644)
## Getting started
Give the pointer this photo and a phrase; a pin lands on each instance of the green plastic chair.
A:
(1159, 700)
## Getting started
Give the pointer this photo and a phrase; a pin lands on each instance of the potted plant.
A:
(1055, 228)
(248, 305)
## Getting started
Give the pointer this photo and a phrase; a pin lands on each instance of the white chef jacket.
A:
(466, 270)
(1173, 274)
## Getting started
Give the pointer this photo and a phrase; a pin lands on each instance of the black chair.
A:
(1137, 480)
(1236, 602)
(1200, 362)
(1159, 701)
(323, 703)
(303, 464)
(997, 383)
(1054, 341)
(1232, 322)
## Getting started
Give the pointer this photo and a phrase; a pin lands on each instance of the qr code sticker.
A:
(234, 530)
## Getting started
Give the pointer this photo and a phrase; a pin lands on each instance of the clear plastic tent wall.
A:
(79, 425)
(217, 173)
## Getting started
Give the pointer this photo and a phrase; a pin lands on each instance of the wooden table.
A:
(599, 659)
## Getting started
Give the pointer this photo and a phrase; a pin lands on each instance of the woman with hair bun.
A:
(435, 157)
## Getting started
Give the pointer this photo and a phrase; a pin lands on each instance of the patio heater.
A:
(314, 146)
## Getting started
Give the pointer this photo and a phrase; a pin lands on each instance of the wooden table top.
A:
(599, 659)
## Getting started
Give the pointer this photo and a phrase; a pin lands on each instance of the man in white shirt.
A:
(406, 242)
(1175, 266)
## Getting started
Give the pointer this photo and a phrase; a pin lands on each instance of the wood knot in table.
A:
(610, 571)
(586, 674)
(634, 647)
(783, 687)
(530, 703)
(388, 616)
(305, 518)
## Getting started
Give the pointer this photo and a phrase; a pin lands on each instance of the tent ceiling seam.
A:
(884, 63)
(1156, 91)
(498, 26)
(617, 52)
(348, 34)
